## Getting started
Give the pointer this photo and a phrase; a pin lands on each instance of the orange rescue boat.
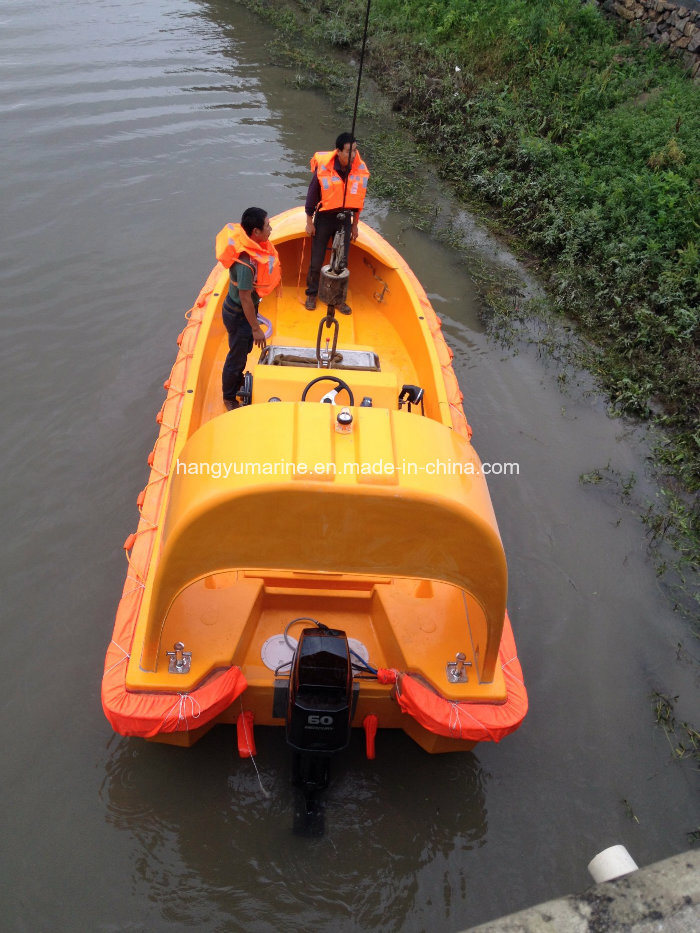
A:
(317, 566)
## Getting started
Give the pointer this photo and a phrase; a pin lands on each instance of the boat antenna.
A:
(357, 93)
(362, 59)
(338, 247)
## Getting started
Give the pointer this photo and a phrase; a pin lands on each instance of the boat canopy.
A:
(398, 495)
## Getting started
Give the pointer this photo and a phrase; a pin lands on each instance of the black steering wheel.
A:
(339, 382)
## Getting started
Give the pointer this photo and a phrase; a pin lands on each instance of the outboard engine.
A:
(320, 692)
(318, 716)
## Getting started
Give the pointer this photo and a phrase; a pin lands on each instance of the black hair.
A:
(342, 141)
(253, 219)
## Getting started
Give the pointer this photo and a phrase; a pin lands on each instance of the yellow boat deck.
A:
(376, 326)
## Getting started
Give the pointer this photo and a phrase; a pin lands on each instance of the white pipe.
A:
(611, 863)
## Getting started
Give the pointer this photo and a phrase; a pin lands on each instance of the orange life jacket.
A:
(267, 271)
(332, 185)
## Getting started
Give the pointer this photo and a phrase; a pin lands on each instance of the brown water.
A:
(130, 133)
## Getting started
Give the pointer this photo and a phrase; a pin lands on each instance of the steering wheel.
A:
(338, 382)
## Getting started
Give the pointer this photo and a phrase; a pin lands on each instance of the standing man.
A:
(338, 185)
(254, 271)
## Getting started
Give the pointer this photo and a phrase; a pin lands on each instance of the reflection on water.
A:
(385, 826)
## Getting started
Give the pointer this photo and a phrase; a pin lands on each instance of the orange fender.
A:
(148, 714)
(474, 722)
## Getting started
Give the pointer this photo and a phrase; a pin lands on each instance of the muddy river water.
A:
(131, 131)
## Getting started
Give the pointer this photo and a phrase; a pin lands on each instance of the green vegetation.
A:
(589, 146)
(583, 147)
(683, 738)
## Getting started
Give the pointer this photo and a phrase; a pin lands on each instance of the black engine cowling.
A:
(320, 693)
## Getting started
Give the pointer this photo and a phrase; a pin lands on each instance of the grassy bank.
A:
(584, 148)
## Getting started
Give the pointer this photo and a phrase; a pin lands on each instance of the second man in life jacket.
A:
(254, 271)
(338, 185)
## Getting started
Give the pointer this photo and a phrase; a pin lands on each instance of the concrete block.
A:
(664, 896)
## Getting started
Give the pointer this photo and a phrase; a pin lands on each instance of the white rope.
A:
(252, 756)
(120, 661)
(455, 723)
(182, 709)
(510, 673)
(140, 585)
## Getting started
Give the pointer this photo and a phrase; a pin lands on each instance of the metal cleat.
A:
(179, 660)
(457, 670)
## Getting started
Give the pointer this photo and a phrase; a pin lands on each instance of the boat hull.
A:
(399, 561)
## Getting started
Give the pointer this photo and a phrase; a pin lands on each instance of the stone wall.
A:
(674, 25)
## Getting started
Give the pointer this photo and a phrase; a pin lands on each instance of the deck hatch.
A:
(305, 356)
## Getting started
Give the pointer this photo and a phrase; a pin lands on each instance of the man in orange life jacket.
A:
(339, 184)
(254, 272)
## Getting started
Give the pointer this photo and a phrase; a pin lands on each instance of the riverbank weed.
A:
(682, 737)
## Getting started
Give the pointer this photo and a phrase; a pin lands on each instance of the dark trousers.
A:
(326, 223)
(240, 343)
